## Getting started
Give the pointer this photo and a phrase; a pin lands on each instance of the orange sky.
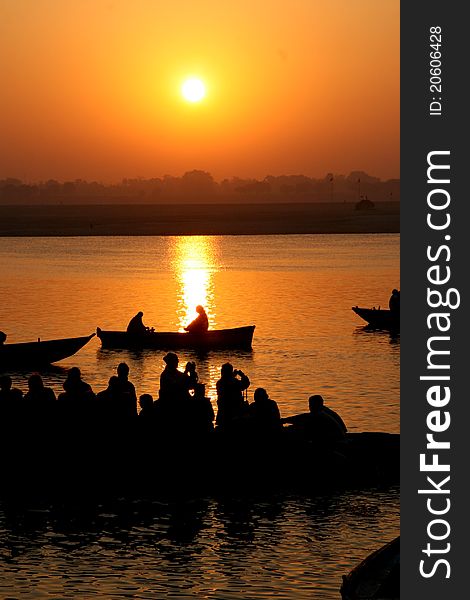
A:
(91, 88)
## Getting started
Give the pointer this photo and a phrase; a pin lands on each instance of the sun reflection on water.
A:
(195, 267)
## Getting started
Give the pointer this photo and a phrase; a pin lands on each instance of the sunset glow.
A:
(193, 90)
(92, 90)
(195, 267)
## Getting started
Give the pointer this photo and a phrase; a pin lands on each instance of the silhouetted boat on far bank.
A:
(215, 339)
(379, 318)
(40, 353)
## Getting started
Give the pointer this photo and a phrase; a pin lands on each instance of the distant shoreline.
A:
(196, 219)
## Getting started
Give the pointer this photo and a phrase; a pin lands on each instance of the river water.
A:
(298, 290)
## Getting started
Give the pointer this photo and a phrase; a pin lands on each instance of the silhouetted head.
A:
(315, 403)
(226, 370)
(114, 383)
(260, 395)
(146, 401)
(5, 383)
(74, 374)
(140, 314)
(394, 292)
(123, 370)
(35, 382)
(171, 359)
(3, 337)
(200, 309)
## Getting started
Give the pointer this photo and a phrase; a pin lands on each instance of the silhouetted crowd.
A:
(182, 408)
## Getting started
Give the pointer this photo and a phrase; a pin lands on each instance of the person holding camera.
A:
(231, 405)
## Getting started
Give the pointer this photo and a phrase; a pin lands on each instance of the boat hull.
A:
(377, 577)
(239, 337)
(41, 352)
(379, 318)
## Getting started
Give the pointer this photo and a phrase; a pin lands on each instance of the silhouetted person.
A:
(313, 400)
(394, 302)
(317, 426)
(174, 384)
(201, 411)
(264, 413)
(75, 387)
(116, 403)
(111, 392)
(75, 402)
(200, 323)
(230, 402)
(136, 325)
(125, 386)
(10, 399)
(146, 407)
(38, 399)
(7, 392)
(3, 337)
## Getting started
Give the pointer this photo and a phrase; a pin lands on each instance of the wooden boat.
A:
(377, 577)
(40, 352)
(379, 318)
(216, 339)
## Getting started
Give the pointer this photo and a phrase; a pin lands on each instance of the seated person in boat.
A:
(394, 302)
(264, 412)
(136, 325)
(200, 323)
(230, 402)
(318, 425)
(3, 338)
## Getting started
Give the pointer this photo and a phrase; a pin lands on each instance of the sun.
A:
(193, 90)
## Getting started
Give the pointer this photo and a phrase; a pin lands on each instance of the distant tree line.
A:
(200, 186)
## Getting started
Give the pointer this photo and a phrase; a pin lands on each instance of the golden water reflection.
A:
(195, 265)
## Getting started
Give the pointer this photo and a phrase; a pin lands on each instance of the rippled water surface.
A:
(298, 290)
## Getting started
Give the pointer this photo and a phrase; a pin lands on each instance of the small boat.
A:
(377, 577)
(41, 352)
(379, 318)
(215, 339)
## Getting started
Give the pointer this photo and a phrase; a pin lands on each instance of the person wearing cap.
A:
(200, 323)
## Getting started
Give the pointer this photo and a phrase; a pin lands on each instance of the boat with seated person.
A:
(213, 339)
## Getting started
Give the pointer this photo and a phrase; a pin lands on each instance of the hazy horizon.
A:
(91, 89)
